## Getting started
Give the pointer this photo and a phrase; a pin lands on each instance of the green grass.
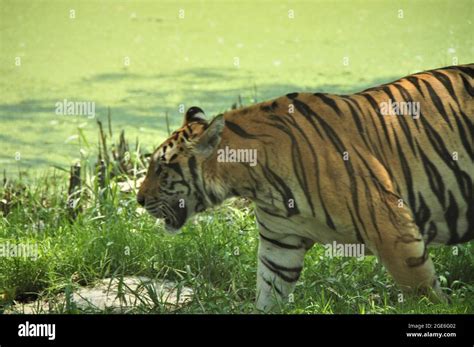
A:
(203, 257)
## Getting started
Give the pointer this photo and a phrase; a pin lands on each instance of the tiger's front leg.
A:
(280, 261)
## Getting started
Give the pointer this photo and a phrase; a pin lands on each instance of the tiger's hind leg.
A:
(403, 252)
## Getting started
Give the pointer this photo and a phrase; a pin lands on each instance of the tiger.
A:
(343, 169)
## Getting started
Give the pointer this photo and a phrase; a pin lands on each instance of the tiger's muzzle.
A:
(173, 216)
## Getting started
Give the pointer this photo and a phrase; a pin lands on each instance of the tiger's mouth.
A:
(173, 224)
(173, 219)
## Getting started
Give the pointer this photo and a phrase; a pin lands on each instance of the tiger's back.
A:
(345, 144)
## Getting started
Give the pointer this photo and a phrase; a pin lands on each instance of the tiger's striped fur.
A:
(333, 168)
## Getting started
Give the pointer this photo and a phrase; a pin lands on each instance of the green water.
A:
(192, 61)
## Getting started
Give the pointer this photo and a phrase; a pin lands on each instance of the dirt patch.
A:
(114, 295)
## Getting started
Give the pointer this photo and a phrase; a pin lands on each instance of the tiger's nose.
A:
(141, 200)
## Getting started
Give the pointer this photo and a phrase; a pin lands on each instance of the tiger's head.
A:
(173, 188)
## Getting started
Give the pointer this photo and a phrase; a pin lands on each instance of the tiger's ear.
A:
(211, 137)
(194, 114)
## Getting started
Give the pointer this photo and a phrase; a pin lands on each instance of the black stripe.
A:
(309, 145)
(423, 214)
(241, 132)
(463, 179)
(376, 109)
(253, 178)
(357, 122)
(292, 95)
(278, 243)
(279, 184)
(438, 103)
(371, 207)
(403, 92)
(356, 228)
(406, 97)
(408, 135)
(469, 234)
(446, 82)
(434, 177)
(415, 81)
(270, 284)
(308, 113)
(401, 119)
(377, 153)
(177, 168)
(195, 179)
(277, 270)
(418, 261)
(407, 175)
(332, 135)
(386, 90)
(269, 108)
(451, 215)
(466, 138)
(468, 70)
(281, 267)
(275, 242)
(469, 124)
(431, 233)
(329, 221)
(467, 86)
(297, 157)
(329, 102)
